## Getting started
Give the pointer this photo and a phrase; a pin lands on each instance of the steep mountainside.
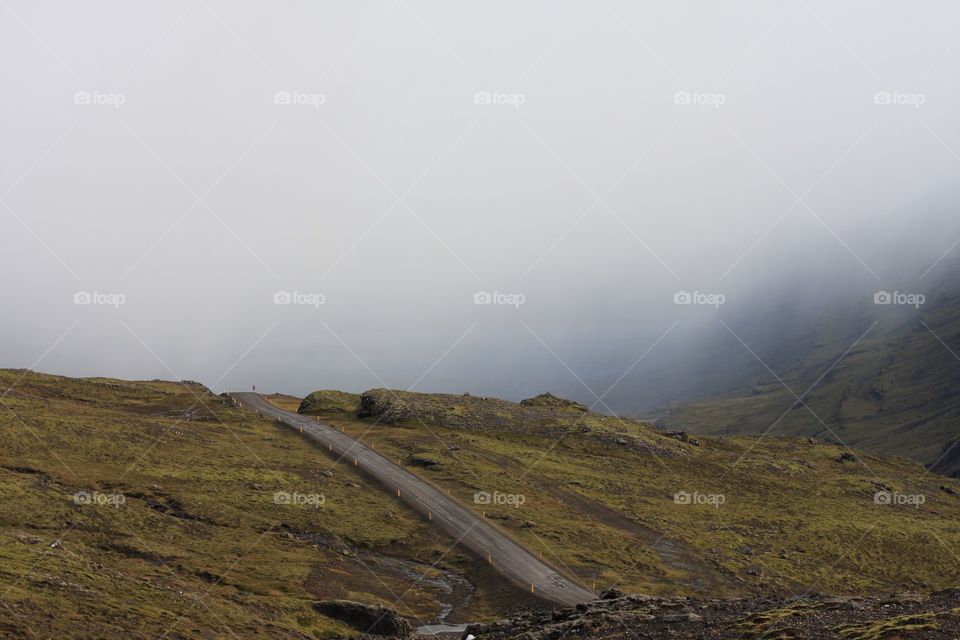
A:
(882, 378)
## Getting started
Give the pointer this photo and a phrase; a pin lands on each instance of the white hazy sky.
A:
(396, 190)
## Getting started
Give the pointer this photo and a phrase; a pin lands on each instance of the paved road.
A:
(512, 560)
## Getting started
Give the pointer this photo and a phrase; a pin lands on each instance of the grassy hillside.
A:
(199, 547)
(596, 496)
(178, 529)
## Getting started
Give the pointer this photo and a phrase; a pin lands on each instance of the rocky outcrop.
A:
(423, 461)
(388, 407)
(545, 415)
(368, 619)
(636, 616)
(550, 401)
(328, 401)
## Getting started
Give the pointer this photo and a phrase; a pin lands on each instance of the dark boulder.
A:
(385, 405)
(369, 619)
(426, 462)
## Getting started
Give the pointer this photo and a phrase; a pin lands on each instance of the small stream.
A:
(433, 629)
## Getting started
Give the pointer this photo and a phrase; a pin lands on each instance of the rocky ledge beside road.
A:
(905, 615)
(633, 617)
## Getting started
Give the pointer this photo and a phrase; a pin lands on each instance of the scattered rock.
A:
(26, 538)
(680, 617)
(425, 462)
(903, 598)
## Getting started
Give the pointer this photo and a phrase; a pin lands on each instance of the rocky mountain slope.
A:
(887, 382)
(883, 377)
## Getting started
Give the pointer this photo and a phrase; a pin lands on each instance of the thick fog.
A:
(172, 173)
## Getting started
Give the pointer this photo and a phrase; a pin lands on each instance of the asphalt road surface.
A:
(512, 560)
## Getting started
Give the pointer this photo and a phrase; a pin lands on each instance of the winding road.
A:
(509, 558)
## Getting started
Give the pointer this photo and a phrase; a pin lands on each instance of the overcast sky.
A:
(181, 166)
